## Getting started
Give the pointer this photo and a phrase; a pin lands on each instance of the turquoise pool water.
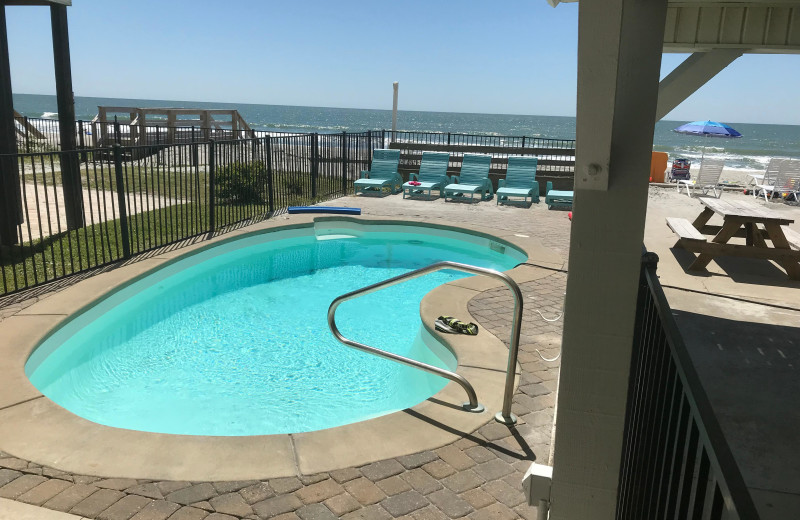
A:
(234, 340)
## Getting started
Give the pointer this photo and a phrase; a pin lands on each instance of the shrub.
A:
(242, 183)
(293, 186)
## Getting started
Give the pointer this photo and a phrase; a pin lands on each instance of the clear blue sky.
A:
(516, 56)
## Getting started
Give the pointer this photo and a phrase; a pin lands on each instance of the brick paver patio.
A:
(479, 476)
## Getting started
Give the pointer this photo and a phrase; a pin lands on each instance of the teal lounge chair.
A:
(383, 173)
(520, 180)
(432, 174)
(560, 199)
(474, 178)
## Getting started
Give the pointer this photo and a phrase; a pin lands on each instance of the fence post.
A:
(314, 165)
(383, 138)
(81, 142)
(448, 138)
(271, 194)
(117, 137)
(27, 136)
(212, 164)
(523, 141)
(344, 163)
(123, 211)
(369, 150)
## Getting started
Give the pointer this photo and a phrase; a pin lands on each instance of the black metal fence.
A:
(76, 211)
(501, 141)
(40, 135)
(37, 134)
(72, 211)
(43, 135)
(556, 157)
(676, 462)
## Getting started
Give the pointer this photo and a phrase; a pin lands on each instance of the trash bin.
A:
(658, 166)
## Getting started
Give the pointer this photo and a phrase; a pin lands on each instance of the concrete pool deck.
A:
(35, 428)
(740, 321)
(479, 475)
(355, 465)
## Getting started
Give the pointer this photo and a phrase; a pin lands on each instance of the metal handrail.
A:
(728, 476)
(505, 416)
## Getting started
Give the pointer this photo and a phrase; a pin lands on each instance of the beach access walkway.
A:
(45, 213)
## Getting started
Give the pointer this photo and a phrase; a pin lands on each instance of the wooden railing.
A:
(25, 129)
(140, 124)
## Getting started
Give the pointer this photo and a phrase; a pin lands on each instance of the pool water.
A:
(234, 340)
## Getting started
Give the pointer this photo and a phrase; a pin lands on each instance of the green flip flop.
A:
(470, 329)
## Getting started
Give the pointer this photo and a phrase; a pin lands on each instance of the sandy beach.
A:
(740, 176)
(733, 176)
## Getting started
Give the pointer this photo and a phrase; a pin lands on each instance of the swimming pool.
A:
(233, 340)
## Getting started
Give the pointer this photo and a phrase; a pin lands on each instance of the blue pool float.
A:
(324, 209)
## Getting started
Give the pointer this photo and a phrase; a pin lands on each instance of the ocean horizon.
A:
(759, 142)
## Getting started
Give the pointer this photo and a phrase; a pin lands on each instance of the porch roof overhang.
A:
(752, 26)
(716, 33)
(619, 99)
(39, 2)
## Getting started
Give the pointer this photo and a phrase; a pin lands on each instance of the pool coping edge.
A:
(34, 428)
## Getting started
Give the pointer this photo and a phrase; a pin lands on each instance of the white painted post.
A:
(171, 124)
(205, 122)
(619, 59)
(395, 85)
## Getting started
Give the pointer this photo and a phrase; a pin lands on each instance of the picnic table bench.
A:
(740, 219)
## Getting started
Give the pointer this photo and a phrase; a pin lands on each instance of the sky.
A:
(510, 57)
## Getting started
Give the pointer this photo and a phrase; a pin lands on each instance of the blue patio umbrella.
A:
(707, 129)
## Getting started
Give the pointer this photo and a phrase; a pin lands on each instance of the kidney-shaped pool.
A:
(233, 340)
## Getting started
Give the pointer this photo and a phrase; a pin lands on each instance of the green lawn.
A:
(74, 251)
(99, 244)
(138, 178)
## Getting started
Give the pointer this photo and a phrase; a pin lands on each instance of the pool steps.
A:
(504, 416)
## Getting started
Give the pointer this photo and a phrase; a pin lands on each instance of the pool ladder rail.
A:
(505, 416)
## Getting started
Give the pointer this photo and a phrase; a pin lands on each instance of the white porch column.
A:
(619, 59)
(690, 75)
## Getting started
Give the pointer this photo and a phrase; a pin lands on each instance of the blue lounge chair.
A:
(474, 178)
(520, 180)
(382, 174)
(432, 174)
(560, 199)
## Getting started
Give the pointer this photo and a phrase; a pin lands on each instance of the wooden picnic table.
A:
(740, 219)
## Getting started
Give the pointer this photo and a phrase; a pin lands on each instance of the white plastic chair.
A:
(768, 179)
(787, 180)
(707, 178)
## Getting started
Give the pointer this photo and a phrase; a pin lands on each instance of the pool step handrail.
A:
(505, 416)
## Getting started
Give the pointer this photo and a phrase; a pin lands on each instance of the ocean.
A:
(759, 143)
